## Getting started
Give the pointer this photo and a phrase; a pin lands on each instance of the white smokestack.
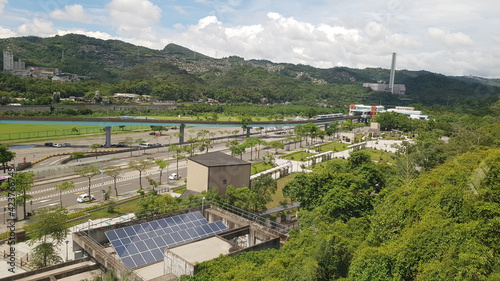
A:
(393, 70)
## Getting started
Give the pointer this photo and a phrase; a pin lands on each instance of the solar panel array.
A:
(145, 243)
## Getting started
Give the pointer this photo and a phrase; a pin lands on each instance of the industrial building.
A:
(398, 89)
(217, 170)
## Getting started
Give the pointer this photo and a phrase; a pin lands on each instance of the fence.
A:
(67, 132)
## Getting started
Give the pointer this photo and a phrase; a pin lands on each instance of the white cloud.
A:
(6, 33)
(38, 27)
(134, 17)
(457, 39)
(2, 5)
(72, 13)
(180, 10)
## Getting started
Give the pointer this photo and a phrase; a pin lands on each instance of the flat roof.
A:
(202, 250)
(217, 159)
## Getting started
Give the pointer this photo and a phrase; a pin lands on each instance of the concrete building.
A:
(217, 170)
(8, 60)
(365, 110)
(241, 235)
(410, 112)
(399, 89)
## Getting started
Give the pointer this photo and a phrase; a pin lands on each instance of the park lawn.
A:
(380, 155)
(333, 146)
(259, 167)
(298, 156)
(278, 196)
(119, 210)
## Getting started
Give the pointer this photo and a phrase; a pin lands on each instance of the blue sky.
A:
(452, 37)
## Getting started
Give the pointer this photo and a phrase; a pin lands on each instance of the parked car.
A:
(57, 145)
(174, 176)
(49, 144)
(66, 144)
(120, 144)
(85, 198)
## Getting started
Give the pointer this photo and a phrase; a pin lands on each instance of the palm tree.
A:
(64, 186)
(114, 172)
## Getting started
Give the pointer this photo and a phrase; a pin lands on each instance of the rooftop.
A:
(217, 159)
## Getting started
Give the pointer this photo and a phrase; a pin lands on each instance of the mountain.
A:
(181, 74)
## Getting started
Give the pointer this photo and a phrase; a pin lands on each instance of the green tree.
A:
(276, 145)
(24, 181)
(252, 142)
(6, 156)
(178, 155)
(162, 164)
(89, 172)
(114, 172)
(140, 166)
(47, 231)
(139, 142)
(64, 186)
(128, 142)
(263, 188)
(95, 146)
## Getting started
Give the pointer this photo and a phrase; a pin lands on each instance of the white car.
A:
(85, 198)
(174, 176)
(57, 145)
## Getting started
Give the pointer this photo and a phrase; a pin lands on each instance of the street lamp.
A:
(66, 249)
(102, 184)
(202, 204)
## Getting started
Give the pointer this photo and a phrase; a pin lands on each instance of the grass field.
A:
(257, 168)
(29, 128)
(333, 146)
(299, 156)
(32, 131)
(278, 196)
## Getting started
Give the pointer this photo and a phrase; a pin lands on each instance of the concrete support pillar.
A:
(326, 126)
(278, 218)
(251, 238)
(268, 222)
(181, 131)
(107, 129)
(248, 132)
(288, 216)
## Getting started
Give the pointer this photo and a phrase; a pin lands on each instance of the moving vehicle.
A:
(174, 176)
(329, 116)
(85, 198)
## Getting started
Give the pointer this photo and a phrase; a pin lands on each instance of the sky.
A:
(451, 37)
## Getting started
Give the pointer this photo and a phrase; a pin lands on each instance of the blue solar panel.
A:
(145, 243)
(128, 262)
(120, 233)
(112, 235)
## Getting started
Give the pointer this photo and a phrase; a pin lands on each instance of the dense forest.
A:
(179, 74)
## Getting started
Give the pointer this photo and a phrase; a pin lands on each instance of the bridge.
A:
(107, 123)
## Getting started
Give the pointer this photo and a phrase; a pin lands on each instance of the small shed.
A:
(217, 170)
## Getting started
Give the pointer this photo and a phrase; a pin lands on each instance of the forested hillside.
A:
(177, 73)
(361, 220)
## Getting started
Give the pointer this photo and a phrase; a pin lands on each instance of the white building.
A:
(410, 112)
(365, 110)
